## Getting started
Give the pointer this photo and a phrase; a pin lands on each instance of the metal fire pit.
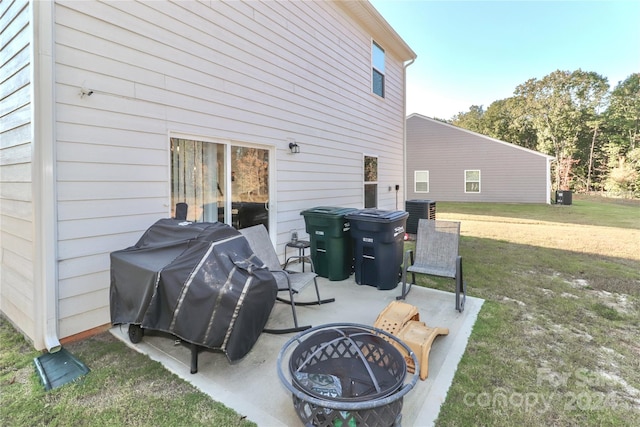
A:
(346, 374)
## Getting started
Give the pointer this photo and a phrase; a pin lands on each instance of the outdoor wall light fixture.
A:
(85, 92)
(295, 148)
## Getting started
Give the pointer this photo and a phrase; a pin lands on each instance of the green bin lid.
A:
(332, 211)
(377, 215)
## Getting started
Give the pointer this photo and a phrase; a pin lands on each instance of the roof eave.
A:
(366, 15)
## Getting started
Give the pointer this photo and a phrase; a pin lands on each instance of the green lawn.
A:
(124, 388)
(556, 342)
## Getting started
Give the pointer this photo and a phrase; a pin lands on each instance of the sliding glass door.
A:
(249, 186)
(220, 182)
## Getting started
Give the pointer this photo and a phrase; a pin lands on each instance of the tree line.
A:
(593, 131)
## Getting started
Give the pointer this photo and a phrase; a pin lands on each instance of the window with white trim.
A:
(370, 181)
(377, 69)
(421, 181)
(472, 181)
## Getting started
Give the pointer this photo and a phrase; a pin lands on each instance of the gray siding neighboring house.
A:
(97, 98)
(448, 163)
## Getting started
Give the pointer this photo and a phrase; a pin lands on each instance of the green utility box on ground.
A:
(331, 250)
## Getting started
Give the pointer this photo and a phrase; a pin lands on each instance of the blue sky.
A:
(477, 52)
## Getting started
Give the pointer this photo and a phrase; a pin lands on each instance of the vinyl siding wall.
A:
(254, 72)
(508, 173)
(16, 206)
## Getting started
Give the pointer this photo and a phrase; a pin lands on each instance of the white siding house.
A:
(448, 163)
(104, 103)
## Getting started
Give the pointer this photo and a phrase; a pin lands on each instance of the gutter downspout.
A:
(44, 177)
(404, 129)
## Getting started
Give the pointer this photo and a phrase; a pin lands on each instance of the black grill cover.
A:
(195, 281)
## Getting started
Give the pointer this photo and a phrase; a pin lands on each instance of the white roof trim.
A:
(509, 144)
(366, 15)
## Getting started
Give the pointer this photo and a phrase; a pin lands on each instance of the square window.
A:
(472, 181)
(378, 83)
(421, 181)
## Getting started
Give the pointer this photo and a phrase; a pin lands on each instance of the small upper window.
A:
(377, 67)
(472, 181)
(421, 181)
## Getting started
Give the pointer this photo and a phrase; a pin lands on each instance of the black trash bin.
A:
(331, 250)
(378, 239)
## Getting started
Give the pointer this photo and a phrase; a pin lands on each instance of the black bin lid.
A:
(377, 215)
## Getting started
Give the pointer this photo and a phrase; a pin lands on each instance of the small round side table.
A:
(301, 245)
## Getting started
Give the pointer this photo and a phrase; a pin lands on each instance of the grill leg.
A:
(194, 358)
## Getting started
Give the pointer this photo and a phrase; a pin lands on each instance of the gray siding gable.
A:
(479, 135)
(509, 173)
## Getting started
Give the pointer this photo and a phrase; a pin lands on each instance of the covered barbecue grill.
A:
(194, 281)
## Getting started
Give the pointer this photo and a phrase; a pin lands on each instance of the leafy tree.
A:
(595, 125)
(508, 120)
(623, 179)
(560, 105)
(471, 120)
(593, 133)
(622, 132)
(623, 114)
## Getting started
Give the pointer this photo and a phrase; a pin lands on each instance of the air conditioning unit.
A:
(419, 209)
(564, 197)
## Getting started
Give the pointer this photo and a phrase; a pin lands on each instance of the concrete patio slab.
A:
(252, 387)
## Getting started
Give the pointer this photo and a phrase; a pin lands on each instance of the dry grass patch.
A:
(589, 239)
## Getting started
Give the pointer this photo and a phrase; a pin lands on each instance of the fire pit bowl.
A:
(346, 375)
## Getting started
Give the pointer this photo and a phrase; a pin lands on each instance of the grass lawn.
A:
(124, 388)
(556, 342)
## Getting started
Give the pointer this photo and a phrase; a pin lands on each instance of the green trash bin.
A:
(330, 240)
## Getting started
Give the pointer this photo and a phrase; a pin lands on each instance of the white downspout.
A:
(404, 130)
(550, 196)
(45, 218)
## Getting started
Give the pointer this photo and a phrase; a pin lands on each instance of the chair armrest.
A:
(283, 272)
(407, 261)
